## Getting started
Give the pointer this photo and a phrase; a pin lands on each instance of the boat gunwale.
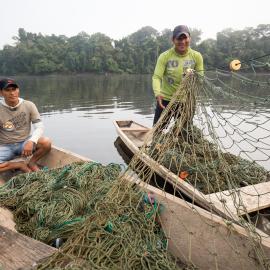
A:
(214, 201)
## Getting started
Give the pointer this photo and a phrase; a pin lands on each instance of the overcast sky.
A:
(119, 18)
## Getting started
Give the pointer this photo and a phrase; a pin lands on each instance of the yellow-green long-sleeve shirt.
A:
(170, 69)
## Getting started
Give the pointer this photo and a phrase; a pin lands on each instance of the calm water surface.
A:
(78, 111)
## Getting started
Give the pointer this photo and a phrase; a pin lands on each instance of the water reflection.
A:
(88, 91)
(78, 110)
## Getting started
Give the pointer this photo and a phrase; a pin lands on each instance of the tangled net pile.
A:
(214, 136)
(50, 204)
(212, 148)
(104, 223)
(192, 157)
(192, 148)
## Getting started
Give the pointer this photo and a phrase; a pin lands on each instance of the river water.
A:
(78, 110)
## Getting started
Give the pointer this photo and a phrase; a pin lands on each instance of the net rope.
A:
(212, 148)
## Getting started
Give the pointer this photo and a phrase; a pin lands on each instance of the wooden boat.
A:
(194, 234)
(229, 204)
(18, 251)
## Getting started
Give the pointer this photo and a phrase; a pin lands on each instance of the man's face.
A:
(181, 44)
(11, 95)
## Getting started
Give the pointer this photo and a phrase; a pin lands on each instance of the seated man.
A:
(16, 116)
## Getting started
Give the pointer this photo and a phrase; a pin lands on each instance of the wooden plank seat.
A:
(245, 199)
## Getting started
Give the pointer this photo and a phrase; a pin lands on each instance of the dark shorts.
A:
(175, 113)
(159, 110)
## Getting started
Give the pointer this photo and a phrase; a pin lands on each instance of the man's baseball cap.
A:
(180, 30)
(5, 83)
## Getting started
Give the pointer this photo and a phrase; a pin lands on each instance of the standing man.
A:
(16, 116)
(171, 67)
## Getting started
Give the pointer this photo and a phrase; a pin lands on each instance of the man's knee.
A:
(44, 143)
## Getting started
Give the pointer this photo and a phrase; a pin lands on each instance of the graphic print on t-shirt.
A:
(15, 122)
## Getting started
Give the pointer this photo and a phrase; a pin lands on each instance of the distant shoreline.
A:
(106, 74)
(137, 53)
(74, 74)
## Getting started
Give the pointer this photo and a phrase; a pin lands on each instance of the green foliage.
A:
(241, 44)
(136, 53)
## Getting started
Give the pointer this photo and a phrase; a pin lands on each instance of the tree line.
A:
(135, 54)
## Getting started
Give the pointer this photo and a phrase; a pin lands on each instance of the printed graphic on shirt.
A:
(172, 64)
(189, 63)
(16, 122)
(8, 126)
(170, 80)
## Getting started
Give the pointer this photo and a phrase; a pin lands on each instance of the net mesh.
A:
(211, 145)
(215, 136)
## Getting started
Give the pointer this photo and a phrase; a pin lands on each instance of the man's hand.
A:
(159, 101)
(28, 149)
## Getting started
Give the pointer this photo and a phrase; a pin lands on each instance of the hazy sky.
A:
(119, 18)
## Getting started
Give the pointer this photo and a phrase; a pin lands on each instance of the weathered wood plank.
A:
(245, 199)
(135, 129)
(203, 238)
(59, 157)
(137, 141)
(18, 251)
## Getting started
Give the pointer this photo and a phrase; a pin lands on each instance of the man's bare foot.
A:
(33, 167)
(23, 167)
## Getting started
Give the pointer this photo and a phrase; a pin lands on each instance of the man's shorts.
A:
(11, 151)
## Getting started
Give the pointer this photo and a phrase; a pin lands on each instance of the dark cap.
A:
(5, 83)
(180, 30)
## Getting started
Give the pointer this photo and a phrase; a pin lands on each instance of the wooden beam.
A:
(18, 251)
(59, 157)
(135, 129)
(245, 199)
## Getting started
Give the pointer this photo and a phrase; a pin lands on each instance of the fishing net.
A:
(207, 221)
(49, 204)
(101, 222)
(211, 145)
